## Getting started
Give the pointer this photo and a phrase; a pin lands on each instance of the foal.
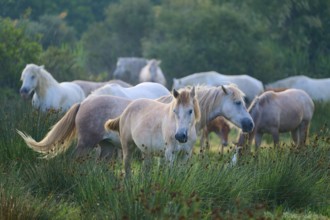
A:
(158, 128)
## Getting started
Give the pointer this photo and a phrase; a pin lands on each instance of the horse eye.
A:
(190, 111)
(33, 76)
(238, 102)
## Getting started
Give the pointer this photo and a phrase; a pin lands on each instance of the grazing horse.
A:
(89, 86)
(249, 85)
(142, 90)
(152, 73)
(86, 120)
(317, 89)
(128, 69)
(277, 112)
(220, 127)
(158, 128)
(48, 93)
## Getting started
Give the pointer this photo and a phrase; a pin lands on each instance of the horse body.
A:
(87, 120)
(220, 127)
(128, 69)
(157, 128)
(249, 85)
(318, 89)
(142, 90)
(89, 86)
(48, 93)
(278, 112)
(152, 73)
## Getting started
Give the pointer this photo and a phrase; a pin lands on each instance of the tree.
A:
(197, 36)
(301, 29)
(62, 63)
(50, 30)
(120, 35)
(79, 13)
(16, 50)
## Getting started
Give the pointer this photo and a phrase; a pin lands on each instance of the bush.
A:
(16, 50)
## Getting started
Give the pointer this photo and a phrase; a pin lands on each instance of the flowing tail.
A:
(58, 139)
(112, 124)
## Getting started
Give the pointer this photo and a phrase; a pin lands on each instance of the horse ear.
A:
(41, 67)
(192, 92)
(159, 62)
(175, 93)
(224, 90)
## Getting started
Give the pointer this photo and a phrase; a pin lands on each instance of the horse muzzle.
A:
(247, 124)
(25, 93)
(182, 136)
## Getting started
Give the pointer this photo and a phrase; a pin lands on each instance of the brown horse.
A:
(220, 127)
(277, 112)
(157, 128)
(86, 120)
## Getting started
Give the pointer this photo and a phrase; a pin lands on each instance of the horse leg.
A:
(127, 156)
(276, 138)
(170, 155)
(295, 136)
(205, 135)
(147, 162)
(303, 133)
(82, 151)
(186, 155)
(109, 151)
(258, 138)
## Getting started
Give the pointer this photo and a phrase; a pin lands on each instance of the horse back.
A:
(97, 110)
(294, 106)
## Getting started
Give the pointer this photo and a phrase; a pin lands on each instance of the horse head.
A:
(187, 113)
(30, 79)
(234, 109)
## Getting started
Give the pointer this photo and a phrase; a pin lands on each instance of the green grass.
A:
(283, 183)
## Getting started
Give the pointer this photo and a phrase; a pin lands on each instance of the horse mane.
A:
(165, 99)
(40, 71)
(262, 99)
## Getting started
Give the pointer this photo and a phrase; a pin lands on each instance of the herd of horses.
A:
(136, 110)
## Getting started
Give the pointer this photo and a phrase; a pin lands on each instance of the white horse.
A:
(143, 90)
(317, 89)
(250, 86)
(152, 73)
(128, 69)
(48, 93)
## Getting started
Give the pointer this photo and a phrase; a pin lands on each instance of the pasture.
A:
(277, 183)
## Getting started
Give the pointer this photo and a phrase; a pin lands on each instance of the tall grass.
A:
(271, 184)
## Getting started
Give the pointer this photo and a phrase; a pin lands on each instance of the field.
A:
(283, 183)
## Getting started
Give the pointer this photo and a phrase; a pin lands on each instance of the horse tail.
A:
(58, 139)
(112, 124)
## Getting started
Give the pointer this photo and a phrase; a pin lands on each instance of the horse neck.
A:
(45, 81)
(209, 99)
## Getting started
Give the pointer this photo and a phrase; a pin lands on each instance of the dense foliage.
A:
(16, 50)
(268, 40)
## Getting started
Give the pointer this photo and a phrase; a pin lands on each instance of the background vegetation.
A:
(82, 39)
(267, 40)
